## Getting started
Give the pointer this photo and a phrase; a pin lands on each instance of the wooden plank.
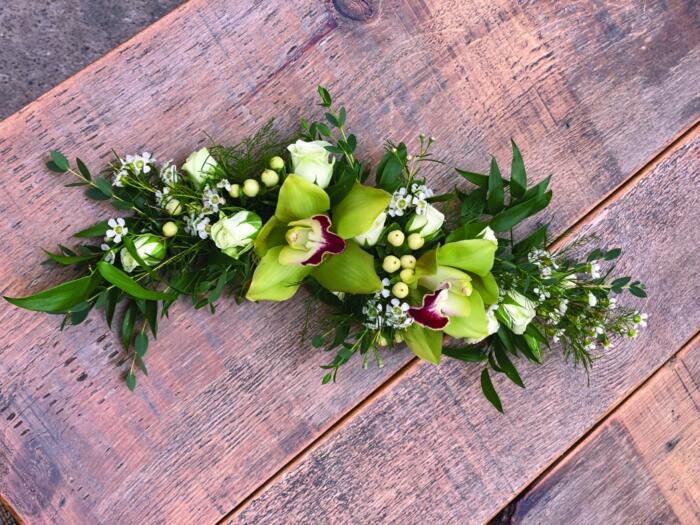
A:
(640, 466)
(432, 450)
(584, 90)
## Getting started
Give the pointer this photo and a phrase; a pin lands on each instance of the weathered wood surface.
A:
(640, 466)
(584, 89)
(431, 450)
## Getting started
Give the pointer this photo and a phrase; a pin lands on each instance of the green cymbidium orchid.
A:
(297, 241)
(461, 286)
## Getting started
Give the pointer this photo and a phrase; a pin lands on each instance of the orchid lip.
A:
(328, 243)
(429, 313)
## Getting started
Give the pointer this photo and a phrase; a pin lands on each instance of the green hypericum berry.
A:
(400, 290)
(408, 261)
(169, 229)
(269, 178)
(277, 163)
(415, 241)
(235, 191)
(391, 263)
(395, 238)
(251, 187)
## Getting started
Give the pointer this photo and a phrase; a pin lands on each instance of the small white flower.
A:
(612, 304)
(141, 163)
(400, 203)
(595, 270)
(386, 286)
(224, 184)
(421, 205)
(641, 320)
(161, 196)
(119, 178)
(563, 306)
(169, 174)
(109, 256)
(117, 230)
(211, 200)
(197, 225)
(546, 271)
(592, 300)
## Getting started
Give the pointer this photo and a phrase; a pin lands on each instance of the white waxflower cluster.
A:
(132, 165)
(404, 200)
(162, 196)
(544, 260)
(211, 200)
(168, 174)
(556, 315)
(380, 313)
(542, 295)
(117, 230)
(198, 225)
(224, 184)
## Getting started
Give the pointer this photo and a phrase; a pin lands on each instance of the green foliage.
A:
(561, 298)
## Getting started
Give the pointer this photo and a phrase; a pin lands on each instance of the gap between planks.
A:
(683, 138)
(612, 410)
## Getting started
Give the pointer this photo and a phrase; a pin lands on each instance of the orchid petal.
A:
(351, 272)
(446, 274)
(273, 281)
(426, 264)
(429, 314)
(474, 325)
(322, 241)
(474, 255)
(300, 199)
(487, 287)
(358, 211)
(425, 343)
(271, 234)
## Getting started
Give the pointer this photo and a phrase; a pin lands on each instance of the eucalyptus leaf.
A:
(121, 280)
(58, 162)
(511, 217)
(141, 344)
(489, 391)
(495, 194)
(67, 260)
(84, 171)
(104, 186)
(96, 230)
(518, 177)
(507, 366)
(58, 299)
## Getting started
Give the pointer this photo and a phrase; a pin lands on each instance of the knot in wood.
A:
(360, 10)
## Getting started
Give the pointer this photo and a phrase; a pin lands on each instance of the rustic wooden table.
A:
(233, 424)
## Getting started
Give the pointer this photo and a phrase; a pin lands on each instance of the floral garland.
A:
(257, 222)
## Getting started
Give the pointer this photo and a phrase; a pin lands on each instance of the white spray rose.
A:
(427, 223)
(517, 311)
(235, 235)
(370, 237)
(488, 235)
(311, 161)
(150, 248)
(492, 326)
(200, 165)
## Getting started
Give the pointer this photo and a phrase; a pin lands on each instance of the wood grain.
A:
(432, 450)
(640, 466)
(584, 89)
